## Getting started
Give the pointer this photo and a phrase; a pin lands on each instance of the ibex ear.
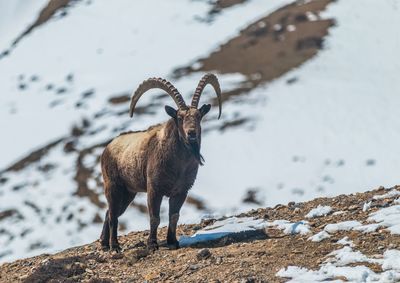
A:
(170, 111)
(205, 109)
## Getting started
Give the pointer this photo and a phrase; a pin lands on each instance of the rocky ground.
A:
(251, 257)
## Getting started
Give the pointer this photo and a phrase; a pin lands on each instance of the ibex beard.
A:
(162, 161)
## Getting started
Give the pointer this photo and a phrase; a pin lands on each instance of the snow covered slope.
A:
(16, 16)
(334, 130)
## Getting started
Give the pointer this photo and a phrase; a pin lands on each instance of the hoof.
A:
(116, 248)
(173, 245)
(105, 248)
(152, 246)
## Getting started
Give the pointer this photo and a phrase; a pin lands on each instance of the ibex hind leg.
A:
(105, 234)
(118, 201)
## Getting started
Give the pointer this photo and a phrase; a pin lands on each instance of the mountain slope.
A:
(361, 242)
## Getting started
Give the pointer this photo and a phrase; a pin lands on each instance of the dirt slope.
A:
(255, 258)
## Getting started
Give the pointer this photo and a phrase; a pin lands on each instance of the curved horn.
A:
(157, 83)
(205, 80)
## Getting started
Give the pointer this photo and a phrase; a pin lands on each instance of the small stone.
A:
(353, 207)
(151, 276)
(140, 244)
(206, 222)
(194, 266)
(87, 270)
(117, 255)
(203, 254)
(196, 227)
(135, 255)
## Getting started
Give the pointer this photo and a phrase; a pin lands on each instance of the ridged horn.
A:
(205, 80)
(157, 83)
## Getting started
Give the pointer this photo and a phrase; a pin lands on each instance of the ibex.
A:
(162, 161)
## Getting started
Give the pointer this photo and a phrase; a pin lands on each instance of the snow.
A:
(368, 228)
(388, 217)
(221, 229)
(329, 272)
(346, 255)
(319, 236)
(391, 193)
(320, 210)
(15, 18)
(337, 263)
(337, 267)
(291, 228)
(311, 16)
(346, 242)
(341, 226)
(235, 225)
(367, 206)
(391, 260)
(291, 28)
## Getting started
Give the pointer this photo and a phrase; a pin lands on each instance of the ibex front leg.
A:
(153, 202)
(175, 204)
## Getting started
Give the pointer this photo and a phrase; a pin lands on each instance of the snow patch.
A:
(319, 211)
(327, 272)
(390, 194)
(367, 206)
(346, 242)
(319, 236)
(300, 227)
(334, 268)
(341, 226)
(221, 229)
(346, 255)
(388, 217)
(235, 225)
(368, 228)
(391, 260)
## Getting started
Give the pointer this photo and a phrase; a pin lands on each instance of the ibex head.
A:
(186, 118)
